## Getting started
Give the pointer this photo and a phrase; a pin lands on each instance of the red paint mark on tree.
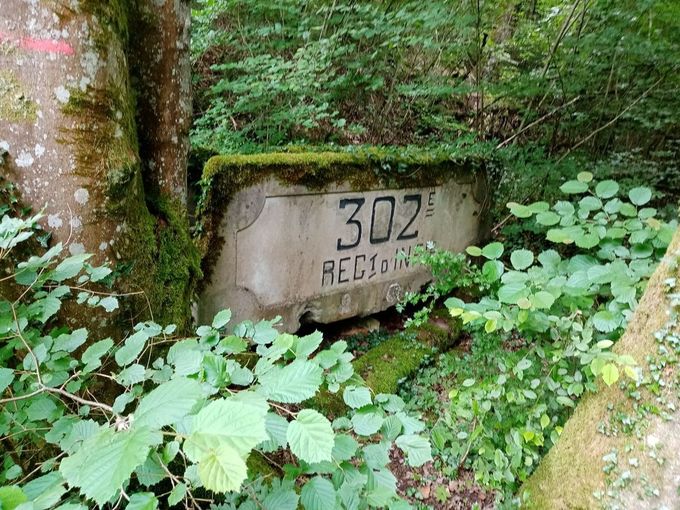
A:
(39, 45)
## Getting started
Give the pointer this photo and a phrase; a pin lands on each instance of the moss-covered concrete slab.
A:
(326, 236)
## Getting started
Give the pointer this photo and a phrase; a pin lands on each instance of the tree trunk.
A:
(161, 73)
(573, 474)
(67, 111)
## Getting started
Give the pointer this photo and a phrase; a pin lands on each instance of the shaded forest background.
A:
(556, 85)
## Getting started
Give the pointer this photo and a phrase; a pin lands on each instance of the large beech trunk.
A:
(73, 135)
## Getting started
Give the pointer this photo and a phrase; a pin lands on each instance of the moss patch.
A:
(572, 471)
(258, 466)
(14, 105)
(441, 331)
(223, 176)
(382, 368)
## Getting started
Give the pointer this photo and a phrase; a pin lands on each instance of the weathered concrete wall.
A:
(327, 254)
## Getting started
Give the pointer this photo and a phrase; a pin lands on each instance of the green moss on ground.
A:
(382, 368)
(259, 466)
(369, 168)
(572, 471)
(441, 331)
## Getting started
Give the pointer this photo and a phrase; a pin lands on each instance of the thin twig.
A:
(541, 119)
(601, 128)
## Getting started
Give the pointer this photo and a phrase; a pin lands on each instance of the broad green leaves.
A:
(606, 189)
(357, 396)
(168, 403)
(131, 348)
(310, 436)
(417, 449)
(239, 425)
(292, 383)
(105, 461)
(521, 259)
(318, 494)
(222, 468)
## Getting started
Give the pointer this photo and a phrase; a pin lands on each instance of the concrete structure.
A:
(327, 254)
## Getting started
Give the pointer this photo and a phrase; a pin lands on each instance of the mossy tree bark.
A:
(587, 468)
(75, 148)
(161, 73)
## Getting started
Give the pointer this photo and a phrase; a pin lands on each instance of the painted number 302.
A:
(383, 208)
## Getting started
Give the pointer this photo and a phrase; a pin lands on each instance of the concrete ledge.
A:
(326, 236)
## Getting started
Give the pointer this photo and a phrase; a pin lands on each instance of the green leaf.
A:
(572, 187)
(492, 251)
(545, 421)
(110, 303)
(367, 420)
(130, 375)
(606, 189)
(69, 342)
(512, 292)
(559, 235)
(318, 494)
(6, 378)
(357, 396)
(168, 403)
(605, 321)
(292, 383)
(106, 460)
(584, 177)
(640, 195)
(131, 348)
(11, 497)
(277, 429)
(177, 494)
(521, 259)
(69, 267)
(610, 374)
(474, 251)
(222, 469)
(306, 345)
(41, 408)
(281, 498)
(345, 447)
(586, 240)
(45, 491)
(542, 300)
(92, 355)
(311, 437)
(539, 207)
(240, 425)
(492, 270)
(590, 203)
(142, 501)
(417, 448)
(548, 218)
(519, 210)
(377, 456)
(221, 319)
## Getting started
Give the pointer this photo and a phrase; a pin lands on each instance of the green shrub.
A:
(156, 420)
(546, 326)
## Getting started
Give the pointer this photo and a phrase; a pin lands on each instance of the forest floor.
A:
(427, 486)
